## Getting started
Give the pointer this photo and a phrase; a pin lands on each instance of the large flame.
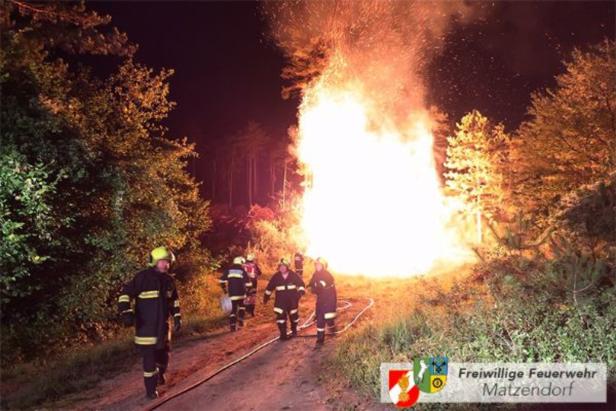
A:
(372, 203)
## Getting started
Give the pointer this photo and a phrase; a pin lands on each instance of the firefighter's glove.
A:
(177, 324)
(224, 289)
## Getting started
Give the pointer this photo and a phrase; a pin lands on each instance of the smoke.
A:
(380, 47)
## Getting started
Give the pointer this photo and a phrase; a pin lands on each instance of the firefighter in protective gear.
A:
(289, 288)
(156, 300)
(234, 281)
(253, 271)
(322, 284)
(298, 262)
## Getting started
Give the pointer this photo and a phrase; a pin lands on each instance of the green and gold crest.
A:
(430, 373)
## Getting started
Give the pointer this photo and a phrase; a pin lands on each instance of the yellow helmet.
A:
(284, 261)
(250, 257)
(239, 260)
(321, 261)
(161, 253)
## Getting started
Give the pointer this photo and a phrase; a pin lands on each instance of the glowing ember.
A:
(372, 204)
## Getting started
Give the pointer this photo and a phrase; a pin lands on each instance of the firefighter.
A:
(253, 271)
(289, 288)
(299, 264)
(156, 299)
(235, 282)
(322, 284)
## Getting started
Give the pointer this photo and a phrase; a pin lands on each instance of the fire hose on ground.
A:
(309, 321)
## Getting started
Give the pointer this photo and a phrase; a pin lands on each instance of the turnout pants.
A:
(155, 362)
(251, 298)
(327, 317)
(250, 303)
(281, 319)
(236, 318)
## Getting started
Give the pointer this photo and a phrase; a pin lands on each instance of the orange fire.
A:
(372, 203)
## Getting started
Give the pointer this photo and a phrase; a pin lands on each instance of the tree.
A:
(253, 140)
(89, 178)
(475, 161)
(570, 139)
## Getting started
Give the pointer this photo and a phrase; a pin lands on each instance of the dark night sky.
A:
(228, 74)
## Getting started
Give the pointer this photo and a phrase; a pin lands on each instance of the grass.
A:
(80, 368)
(83, 369)
(494, 314)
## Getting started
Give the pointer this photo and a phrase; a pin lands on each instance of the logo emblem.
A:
(431, 373)
(402, 389)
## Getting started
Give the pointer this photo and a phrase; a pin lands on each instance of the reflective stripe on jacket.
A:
(288, 290)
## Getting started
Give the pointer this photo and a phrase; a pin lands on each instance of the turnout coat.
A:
(288, 291)
(322, 284)
(156, 299)
(236, 282)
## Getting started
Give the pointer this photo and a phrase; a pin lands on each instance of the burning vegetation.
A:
(372, 202)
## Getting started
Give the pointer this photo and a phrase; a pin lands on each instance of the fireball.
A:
(372, 202)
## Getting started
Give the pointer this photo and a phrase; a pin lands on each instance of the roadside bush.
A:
(561, 310)
(90, 180)
(274, 234)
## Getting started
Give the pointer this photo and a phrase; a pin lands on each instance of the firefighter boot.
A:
(293, 329)
(232, 322)
(320, 338)
(161, 377)
(150, 387)
(240, 316)
(283, 331)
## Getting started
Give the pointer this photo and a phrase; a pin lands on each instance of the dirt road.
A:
(284, 375)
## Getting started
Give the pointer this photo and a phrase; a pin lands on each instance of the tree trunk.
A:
(255, 186)
(284, 184)
(214, 178)
(479, 230)
(249, 179)
(272, 177)
(231, 181)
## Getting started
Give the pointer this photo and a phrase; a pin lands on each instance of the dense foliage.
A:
(89, 179)
(570, 138)
(476, 161)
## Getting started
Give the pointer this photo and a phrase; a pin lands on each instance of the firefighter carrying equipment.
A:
(161, 253)
(234, 281)
(322, 284)
(156, 300)
(253, 271)
(289, 289)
